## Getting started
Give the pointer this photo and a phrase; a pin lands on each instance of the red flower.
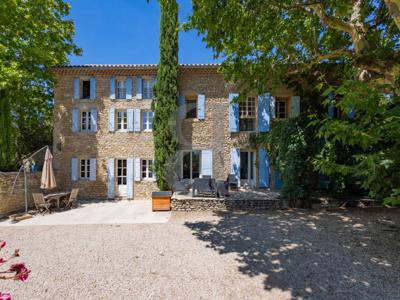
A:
(5, 296)
(2, 260)
(2, 244)
(21, 272)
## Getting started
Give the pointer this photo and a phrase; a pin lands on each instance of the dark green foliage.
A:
(165, 103)
(35, 35)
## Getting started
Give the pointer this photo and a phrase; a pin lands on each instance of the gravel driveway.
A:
(273, 255)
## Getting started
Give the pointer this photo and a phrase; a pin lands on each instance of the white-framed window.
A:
(147, 169)
(281, 107)
(85, 168)
(147, 120)
(247, 114)
(122, 120)
(121, 89)
(121, 171)
(86, 124)
(148, 85)
(191, 164)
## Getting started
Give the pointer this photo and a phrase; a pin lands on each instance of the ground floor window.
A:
(191, 164)
(281, 108)
(147, 168)
(85, 168)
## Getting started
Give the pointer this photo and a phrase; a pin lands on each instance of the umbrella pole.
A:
(26, 191)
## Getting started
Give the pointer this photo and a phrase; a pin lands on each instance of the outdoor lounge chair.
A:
(72, 200)
(204, 186)
(233, 182)
(41, 204)
(181, 186)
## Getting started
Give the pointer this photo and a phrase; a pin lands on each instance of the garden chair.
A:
(204, 186)
(233, 182)
(72, 200)
(41, 204)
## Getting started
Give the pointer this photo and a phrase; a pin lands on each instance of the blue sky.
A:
(127, 31)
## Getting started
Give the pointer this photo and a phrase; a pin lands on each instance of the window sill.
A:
(148, 180)
(86, 132)
(85, 100)
(191, 120)
(147, 130)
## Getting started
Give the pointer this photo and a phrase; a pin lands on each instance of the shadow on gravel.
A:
(351, 254)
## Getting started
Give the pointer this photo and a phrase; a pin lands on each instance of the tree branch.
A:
(394, 10)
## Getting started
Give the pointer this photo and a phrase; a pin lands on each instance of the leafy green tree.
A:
(165, 103)
(35, 35)
(345, 45)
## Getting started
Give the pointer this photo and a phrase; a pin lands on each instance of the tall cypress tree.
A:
(165, 104)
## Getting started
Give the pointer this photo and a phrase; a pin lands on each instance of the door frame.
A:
(250, 182)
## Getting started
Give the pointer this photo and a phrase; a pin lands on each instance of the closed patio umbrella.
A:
(48, 181)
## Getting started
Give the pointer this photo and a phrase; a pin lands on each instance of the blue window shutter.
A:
(331, 107)
(294, 106)
(263, 112)
(278, 180)
(76, 88)
(352, 113)
(93, 88)
(235, 163)
(129, 118)
(273, 107)
(74, 169)
(110, 173)
(136, 169)
(181, 107)
(111, 119)
(201, 103)
(139, 95)
(93, 168)
(129, 178)
(136, 126)
(233, 113)
(112, 87)
(93, 116)
(128, 84)
(206, 162)
(75, 120)
(263, 168)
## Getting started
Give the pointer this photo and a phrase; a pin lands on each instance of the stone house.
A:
(103, 140)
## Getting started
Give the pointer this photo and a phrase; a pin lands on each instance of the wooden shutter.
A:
(137, 120)
(331, 106)
(206, 162)
(235, 163)
(201, 102)
(75, 120)
(129, 119)
(110, 174)
(139, 95)
(263, 168)
(294, 106)
(352, 113)
(112, 87)
(136, 169)
(111, 119)
(76, 88)
(74, 169)
(273, 107)
(181, 107)
(277, 179)
(128, 84)
(129, 178)
(93, 88)
(233, 113)
(93, 169)
(263, 112)
(93, 119)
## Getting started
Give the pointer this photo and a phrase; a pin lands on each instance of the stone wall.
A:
(15, 202)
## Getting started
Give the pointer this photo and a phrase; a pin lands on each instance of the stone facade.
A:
(12, 202)
(212, 133)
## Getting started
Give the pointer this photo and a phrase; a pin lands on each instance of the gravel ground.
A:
(273, 255)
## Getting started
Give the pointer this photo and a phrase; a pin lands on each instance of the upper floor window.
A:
(121, 89)
(147, 168)
(247, 114)
(86, 89)
(85, 168)
(281, 107)
(122, 120)
(148, 85)
(191, 106)
(147, 120)
(86, 124)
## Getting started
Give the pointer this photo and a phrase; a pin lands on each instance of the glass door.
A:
(247, 168)
(121, 177)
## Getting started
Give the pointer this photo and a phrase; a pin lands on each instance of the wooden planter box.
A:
(161, 201)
